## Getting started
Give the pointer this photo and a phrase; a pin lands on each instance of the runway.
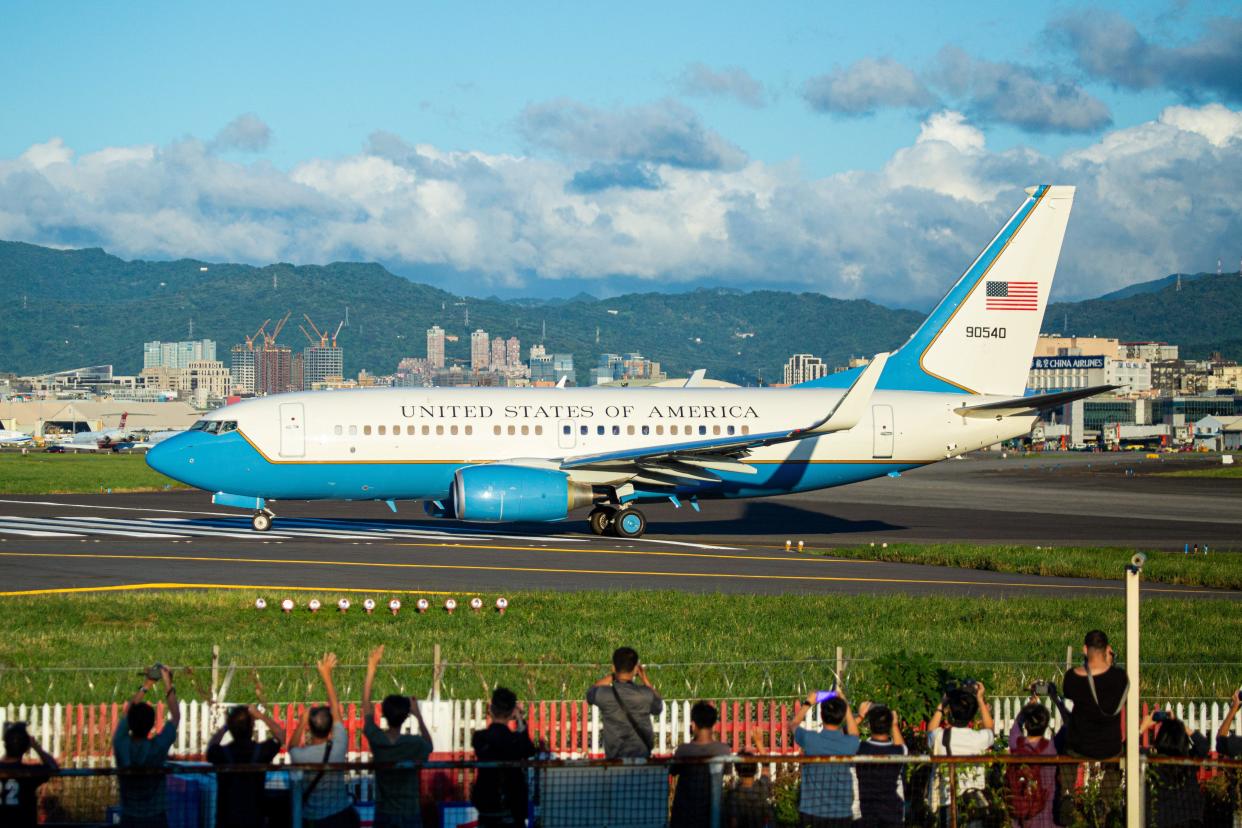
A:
(179, 538)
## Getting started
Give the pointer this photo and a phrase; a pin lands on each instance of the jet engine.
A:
(500, 492)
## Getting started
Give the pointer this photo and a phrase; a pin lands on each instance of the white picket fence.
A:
(67, 730)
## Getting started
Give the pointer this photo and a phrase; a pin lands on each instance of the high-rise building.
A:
(205, 379)
(242, 370)
(513, 353)
(435, 347)
(177, 354)
(297, 372)
(632, 366)
(804, 368)
(498, 354)
(273, 369)
(479, 353)
(319, 363)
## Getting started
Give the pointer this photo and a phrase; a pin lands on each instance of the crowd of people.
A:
(830, 795)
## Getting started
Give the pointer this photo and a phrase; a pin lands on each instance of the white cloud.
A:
(1157, 197)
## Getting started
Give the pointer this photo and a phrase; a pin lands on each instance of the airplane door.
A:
(565, 434)
(882, 422)
(292, 430)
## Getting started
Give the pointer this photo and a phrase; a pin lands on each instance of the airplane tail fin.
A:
(981, 336)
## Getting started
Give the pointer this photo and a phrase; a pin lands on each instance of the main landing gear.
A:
(622, 523)
(262, 520)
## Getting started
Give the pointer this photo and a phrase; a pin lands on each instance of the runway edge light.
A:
(260, 604)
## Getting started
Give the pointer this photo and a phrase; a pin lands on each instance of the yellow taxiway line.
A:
(256, 587)
(610, 572)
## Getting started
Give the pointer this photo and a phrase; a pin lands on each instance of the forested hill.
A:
(1204, 316)
(67, 308)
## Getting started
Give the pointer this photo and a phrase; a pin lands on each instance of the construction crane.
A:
(250, 340)
(270, 339)
(324, 339)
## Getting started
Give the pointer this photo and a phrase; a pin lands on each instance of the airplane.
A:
(539, 454)
(108, 439)
(9, 437)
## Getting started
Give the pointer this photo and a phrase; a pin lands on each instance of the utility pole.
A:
(1134, 770)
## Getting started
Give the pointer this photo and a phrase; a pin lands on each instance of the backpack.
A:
(1024, 788)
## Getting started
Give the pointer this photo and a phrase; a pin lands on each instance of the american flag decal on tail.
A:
(1013, 296)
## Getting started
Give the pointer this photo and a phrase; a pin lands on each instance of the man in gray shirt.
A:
(626, 707)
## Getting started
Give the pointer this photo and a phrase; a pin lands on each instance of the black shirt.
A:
(879, 786)
(239, 799)
(19, 798)
(1094, 728)
(501, 792)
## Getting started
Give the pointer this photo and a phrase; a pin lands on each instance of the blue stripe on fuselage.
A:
(229, 463)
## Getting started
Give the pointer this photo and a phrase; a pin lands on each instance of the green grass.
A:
(1233, 472)
(1221, 568)
(39, 473)
(552, 645)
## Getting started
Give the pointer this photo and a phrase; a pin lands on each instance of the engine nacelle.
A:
(499, 492)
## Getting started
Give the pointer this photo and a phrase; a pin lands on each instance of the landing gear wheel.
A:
(629, 523)
(261, 521)
(598, 520)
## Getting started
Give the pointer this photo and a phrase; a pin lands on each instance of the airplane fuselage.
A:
(406, 444)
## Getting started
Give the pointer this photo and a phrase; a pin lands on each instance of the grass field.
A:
(87, 647)
(1220, 472)
(1220, 568)
(39, 473)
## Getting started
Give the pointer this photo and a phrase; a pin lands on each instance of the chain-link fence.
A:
(737, 791)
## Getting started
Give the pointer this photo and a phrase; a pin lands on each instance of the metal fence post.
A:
(1134, 771)
(952, 795)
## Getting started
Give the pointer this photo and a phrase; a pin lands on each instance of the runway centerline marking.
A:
(588, 551)
(611, 572)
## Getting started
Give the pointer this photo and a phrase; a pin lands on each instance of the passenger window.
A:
(672, 429)
(599, 429)
(366, 430)
(702, 429)
(525, 430)
(538, 430)
(439, 429)
(616, 430)
(567, 429)
(583, 429)
(659, 429)
(426, 430)
(496, 430)
(353, 431)
(746, 429)
(409, 430)
(452, 429)
(469, 430)
(715, 430)
(512, 430)
(338, 431)
(646, 430)
(730, 431)
(382, 431)
(629, 430)
(396, 430)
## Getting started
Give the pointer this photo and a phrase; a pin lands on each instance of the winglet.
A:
(851, 407)
(696, 379)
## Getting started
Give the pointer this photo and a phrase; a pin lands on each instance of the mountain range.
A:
(69, 308)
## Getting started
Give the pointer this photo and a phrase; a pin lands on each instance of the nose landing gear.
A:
(262, 520)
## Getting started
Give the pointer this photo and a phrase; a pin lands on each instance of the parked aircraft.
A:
(108, 439)
(9, 437)
(482, 454)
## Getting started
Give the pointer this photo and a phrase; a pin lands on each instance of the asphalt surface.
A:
(64, 542)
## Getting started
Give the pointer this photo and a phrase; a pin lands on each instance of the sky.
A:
(545, 149)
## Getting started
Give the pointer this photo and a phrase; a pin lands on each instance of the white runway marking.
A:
(232, 525)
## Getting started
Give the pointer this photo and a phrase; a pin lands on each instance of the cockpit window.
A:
(228, 425)
(213, 426)
(199, 426)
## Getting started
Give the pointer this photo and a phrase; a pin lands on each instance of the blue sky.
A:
(631, 112)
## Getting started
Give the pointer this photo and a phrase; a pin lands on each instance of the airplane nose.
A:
(166, 457)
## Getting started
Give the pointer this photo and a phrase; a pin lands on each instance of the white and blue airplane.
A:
(9, 437)
(538, 454)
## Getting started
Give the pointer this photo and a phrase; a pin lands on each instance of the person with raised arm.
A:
(826, 798)
(19, 795)
(144, 795)
(326, 802)
(626, 707)
(397, 802)
(240, 796)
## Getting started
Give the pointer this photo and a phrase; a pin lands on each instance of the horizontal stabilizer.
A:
(1030, 405)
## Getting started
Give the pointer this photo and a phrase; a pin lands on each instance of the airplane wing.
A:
(696, 460)
(1026, 406)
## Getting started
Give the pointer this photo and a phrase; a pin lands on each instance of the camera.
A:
(154, 672)
(1161, 716)
(969, 684)
(15, 727)
(1137, 560)
(1043, 688)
